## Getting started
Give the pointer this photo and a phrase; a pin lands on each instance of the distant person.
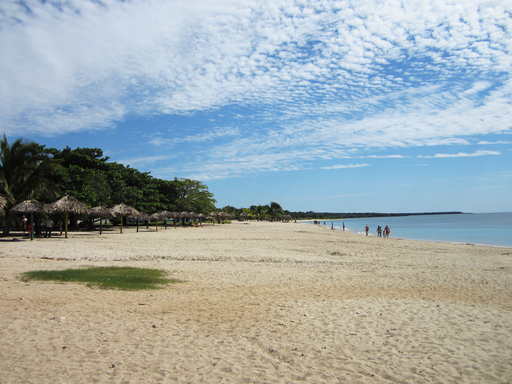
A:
(387, 231)
(60, 227)
(24, 223)
(332, 225)
(343, 225)
(49, 227)
(379, 231)
(367, 230)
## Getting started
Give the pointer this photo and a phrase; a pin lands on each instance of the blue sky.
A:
(339, 106)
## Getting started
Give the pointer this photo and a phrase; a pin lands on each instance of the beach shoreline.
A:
(259, 302)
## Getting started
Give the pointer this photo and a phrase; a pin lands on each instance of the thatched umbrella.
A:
(30, 206)
(142, 216)
(124, 210)
(193, 219)
(214, 216)
(68, 204)
(222, 216)
(175, 216)
(101, 212)
(188, 215)
(165, 215)
(155, 217)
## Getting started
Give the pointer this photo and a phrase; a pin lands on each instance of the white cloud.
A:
(340, 166)
(483, 142)
(462, 154)
(309, 80)
(387, 157)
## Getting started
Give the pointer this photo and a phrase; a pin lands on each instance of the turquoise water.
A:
(477, 228)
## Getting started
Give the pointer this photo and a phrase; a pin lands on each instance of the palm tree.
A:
(274, 210)
(24, 172)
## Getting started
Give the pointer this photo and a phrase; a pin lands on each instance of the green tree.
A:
(259, 211)
(167, 194)
(193, 196)
(25, 170)
(274, 210)
(87, 175)
(83, 174)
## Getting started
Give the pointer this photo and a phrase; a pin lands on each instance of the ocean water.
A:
(477, 228)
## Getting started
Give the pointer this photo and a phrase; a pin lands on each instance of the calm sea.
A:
(475, 228)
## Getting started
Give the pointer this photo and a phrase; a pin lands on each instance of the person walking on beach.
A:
(343, 225)
(379, 231)
(387, 231)
(367, 229)
(49, 226)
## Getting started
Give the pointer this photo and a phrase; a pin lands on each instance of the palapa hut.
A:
(165, 215)
(30, 206)
(201, 217)
(183, 216)
(68, 204)
(215, 216)
(142, 216)
(156, 217)
(124, 210)
(175, 216)
(101, 212)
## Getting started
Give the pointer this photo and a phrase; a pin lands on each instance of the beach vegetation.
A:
(90, 177)
(123, 278)
(274, 210)
(25, 173)
(32, 171)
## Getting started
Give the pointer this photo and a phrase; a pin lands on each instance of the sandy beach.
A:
(259, 303)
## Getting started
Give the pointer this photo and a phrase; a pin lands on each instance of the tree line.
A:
(31, 171)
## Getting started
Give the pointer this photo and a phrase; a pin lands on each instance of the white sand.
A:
(262, 303)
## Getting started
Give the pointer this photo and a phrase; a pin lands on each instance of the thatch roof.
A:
(188, 215)
(124, 210)
(68, 204)
(164, 215)
(101, 212)
(142, 216)
(29, 206)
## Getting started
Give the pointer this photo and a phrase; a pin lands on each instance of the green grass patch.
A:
(124, 278)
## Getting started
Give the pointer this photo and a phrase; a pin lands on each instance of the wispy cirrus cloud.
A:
(304, 81)
(461, 154)
(387, 157)
(342, 166)
(211, 135)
